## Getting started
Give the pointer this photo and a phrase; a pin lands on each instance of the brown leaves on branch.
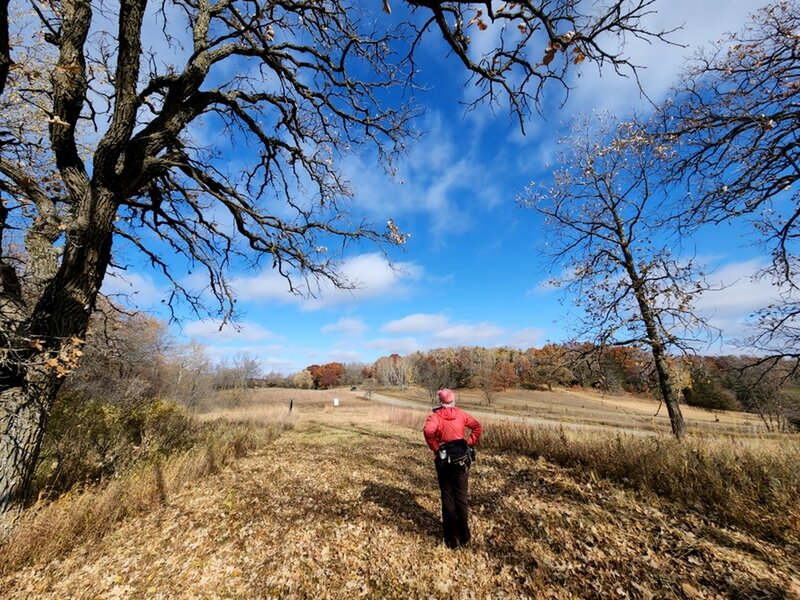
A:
(562, 43)
(68, 357)
(477, 20)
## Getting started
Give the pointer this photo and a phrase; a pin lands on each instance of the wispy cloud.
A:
(436, 329)
(530, 337)
(215, 332)
(699, 23)
(346, 326)
(442, 170)
(138, 289)
(741, 292)
(544, 287)
(371, 275)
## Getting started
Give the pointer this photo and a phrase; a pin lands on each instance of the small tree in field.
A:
(303, 380)
(602, 214)
(431, 371)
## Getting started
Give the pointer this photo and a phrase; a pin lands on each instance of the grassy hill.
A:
(346, 505)
(586, 406)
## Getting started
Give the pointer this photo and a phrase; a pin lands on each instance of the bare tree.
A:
(285, 80)
(391, 371)
(189, 373)
(236, 372)
(102, 151)
(430, 371)
(124, 358)
(760, 388)
(602, 215)
(533, 44)
(736, 114)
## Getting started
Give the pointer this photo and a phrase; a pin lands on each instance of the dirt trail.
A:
(347, 506)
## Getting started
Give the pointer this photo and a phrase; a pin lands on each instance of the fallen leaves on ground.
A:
(346, 506)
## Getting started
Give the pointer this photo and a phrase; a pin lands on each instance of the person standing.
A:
(445, 434)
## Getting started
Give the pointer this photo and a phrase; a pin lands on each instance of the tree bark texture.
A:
(653, 335)
(57, 326)
(24, 415)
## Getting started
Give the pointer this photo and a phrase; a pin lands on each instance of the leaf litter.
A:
(347, 506)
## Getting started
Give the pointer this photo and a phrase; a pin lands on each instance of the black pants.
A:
(454, 486)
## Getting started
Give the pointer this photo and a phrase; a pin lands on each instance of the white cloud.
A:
(530, 337)
(405, 345)
(371, 275)
(741, 293)
(346, 356)
(436, 329)
(266, 285)
(240, 332)
(468, 335)
(346, 326)
(417, 323)
(442, 170)
(701, 22)
(141, 290)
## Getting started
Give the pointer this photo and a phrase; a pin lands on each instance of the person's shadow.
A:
(408, 514)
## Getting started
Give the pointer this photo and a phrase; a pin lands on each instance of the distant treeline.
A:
(769, 388)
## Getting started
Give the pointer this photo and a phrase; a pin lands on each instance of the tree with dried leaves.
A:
(603, 214)
(736, 115)
(326, 376)
(536, 44)
(105, 148)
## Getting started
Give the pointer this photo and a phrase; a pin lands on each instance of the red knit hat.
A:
(446, 397)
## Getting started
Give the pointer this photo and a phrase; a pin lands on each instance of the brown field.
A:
(345, 505)
(596, 408)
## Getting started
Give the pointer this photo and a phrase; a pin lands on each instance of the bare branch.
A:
(537, 43)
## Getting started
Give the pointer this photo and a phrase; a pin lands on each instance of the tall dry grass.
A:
(751, 484)
(48, 530)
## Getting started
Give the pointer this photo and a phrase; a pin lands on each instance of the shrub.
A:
(87, 439)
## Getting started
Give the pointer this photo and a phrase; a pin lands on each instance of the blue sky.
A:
(472, 272)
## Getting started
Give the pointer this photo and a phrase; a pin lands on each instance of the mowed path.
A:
(346, 506)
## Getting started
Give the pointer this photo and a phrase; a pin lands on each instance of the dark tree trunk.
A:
(668, 392)
(652, 332)
(46, 349)
(25, 411)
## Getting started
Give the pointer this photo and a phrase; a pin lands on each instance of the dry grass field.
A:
(596, 408)
(345, 505)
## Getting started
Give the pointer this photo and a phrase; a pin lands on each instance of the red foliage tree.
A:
(326, 376)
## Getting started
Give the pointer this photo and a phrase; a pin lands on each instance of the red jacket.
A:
(447, 424)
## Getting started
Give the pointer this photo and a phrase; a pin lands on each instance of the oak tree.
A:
(602, 214)
(736, 115)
